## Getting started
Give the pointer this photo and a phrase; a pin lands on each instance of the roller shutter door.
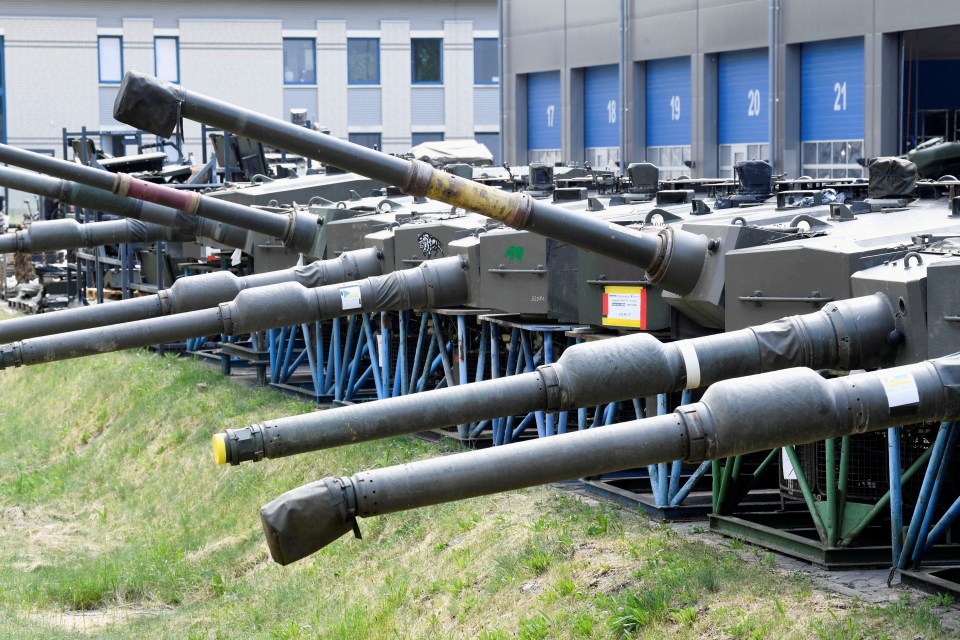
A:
(668, 102)
(743, 95)
(832, 90)
(543, 110)
(601, 101)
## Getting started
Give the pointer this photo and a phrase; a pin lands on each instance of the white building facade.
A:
(380, 73)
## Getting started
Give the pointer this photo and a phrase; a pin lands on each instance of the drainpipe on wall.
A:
(503, 101)
(623, 87)
(772, 85)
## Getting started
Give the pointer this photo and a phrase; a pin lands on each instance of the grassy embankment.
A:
(115, 523)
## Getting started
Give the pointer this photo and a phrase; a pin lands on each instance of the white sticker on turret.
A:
(350, 298)
(900, 387)
(236, 258)
(789, 473)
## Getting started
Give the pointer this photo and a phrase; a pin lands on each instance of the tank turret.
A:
(734, 417)
(285, 191)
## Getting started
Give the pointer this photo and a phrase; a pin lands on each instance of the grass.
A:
(115, 523)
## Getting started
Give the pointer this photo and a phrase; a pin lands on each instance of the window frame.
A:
(487, 83)
(176, 56)
(437, 136)
(413, 63)
(313, 49)
(100, 40)
(353, 83)
(379, 135)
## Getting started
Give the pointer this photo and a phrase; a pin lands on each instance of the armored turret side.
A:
(301, 190)
(799, 273)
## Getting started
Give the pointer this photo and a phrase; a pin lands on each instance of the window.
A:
(486, 64)
(371, 140)
(832, 158)
(491, 141)
(420, 138)
(363, 61)
(166, 59)
(111, 59)
(427, 60)
(299, 61)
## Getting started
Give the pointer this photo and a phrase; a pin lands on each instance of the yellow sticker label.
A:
(625, 307)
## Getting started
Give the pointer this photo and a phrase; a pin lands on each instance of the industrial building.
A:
(695, 86)
(380, 73)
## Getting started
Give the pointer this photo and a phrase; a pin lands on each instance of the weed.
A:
(599, 526)
(634, 612)
(461, 558)
(468, 522)
(543, 523)
(583, 624)
(781, 610)
(565, 587)
(288, 631)
(705, 576)
(537, 561)
(535, 628)
(684, 617)
(746, 627)
(836, 629)
(735, 544)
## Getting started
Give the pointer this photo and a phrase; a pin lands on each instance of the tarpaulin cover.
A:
(148, 103)
(305, 520)
(443, 152)
(891, 177)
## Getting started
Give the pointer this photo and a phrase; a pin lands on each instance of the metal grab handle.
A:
(758, 298)
(951, 318)
(413, 260)
(911, 254)
(540, 271)
(638, 283)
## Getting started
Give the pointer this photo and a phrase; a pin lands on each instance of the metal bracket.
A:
(758, 298)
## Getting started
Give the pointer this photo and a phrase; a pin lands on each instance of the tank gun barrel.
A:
(846, 335)
(100, 200)
(192, 294)
(673, 259)
(734, 417)
(298, 231)
(435, 283)
(54, 235)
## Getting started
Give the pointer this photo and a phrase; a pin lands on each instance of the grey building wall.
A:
(234, 51)
(568, 35)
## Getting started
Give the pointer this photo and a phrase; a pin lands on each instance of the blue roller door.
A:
(743, 95)
(601, 106)
(831, 86)
(668, 102)
(543, 110)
